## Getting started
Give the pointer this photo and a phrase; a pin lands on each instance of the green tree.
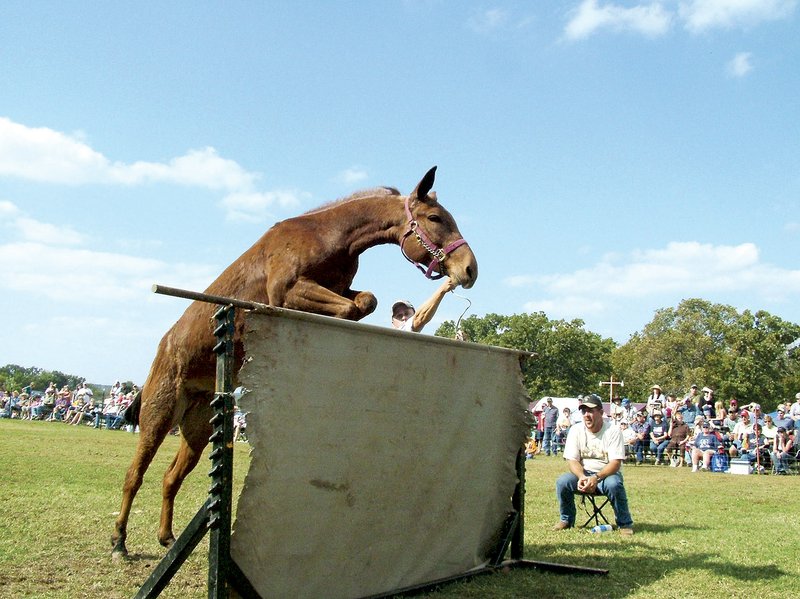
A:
(742, 355)
(15, 377)
(570, 360)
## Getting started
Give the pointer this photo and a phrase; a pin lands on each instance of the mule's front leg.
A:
(365, 301)
(309, 296)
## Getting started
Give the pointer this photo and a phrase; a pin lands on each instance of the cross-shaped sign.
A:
(611, 384)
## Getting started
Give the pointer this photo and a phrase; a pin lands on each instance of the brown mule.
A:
(305, 263)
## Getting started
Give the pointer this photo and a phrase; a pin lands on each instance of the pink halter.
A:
(437, 254)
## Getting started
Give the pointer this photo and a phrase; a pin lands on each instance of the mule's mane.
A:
(358, 195)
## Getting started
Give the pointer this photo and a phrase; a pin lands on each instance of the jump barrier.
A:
(383, 463)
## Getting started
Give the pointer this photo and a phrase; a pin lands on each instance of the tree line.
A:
(16, 378)
(746, 355)
(752, 356)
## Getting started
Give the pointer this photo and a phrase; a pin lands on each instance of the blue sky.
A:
(603, 159)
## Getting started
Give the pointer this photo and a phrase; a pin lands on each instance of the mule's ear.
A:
(424, 186)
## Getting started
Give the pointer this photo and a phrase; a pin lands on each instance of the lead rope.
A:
(459, 331)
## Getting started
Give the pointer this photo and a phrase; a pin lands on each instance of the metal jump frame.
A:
(215, 515)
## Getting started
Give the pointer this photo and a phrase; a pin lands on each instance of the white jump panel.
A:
(380, 459)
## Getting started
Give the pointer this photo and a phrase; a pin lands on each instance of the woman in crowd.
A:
(562, 426)
(659, 436)
(782, 450)
(769, 430)
(678, 436)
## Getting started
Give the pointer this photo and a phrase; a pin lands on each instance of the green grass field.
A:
(697, 535)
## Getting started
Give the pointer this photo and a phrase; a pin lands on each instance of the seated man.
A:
(782, 420)
(642, 429)
(755, 447)
(706, 445)
(740, 431)
(628, 437)
(594, 451)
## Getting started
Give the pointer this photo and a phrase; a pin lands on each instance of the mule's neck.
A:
(373, 220)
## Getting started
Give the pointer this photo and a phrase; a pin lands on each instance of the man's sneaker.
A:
(694, 467)
(562, 525)
(626, 531)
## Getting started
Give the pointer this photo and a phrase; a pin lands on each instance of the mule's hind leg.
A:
(195, 431)
(150, 438)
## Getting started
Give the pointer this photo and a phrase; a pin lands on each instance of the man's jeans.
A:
(549, 434)
(658, 448)
(612, 487)
(640, 447)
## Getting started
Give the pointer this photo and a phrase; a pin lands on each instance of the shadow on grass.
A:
(641, 563)
(142, 557)
(652, 528)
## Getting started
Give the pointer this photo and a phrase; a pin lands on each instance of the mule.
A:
(304, 263)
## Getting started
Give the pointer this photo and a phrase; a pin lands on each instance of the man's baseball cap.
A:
(401, 303)
(591, 401)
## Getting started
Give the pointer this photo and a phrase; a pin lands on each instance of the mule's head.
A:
(436, 227)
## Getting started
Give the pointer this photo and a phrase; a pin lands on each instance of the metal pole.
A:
(205, 297)
(220, 494)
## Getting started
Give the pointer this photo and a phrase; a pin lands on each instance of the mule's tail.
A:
(131, 413)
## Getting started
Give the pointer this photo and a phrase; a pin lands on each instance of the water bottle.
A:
(602, 528)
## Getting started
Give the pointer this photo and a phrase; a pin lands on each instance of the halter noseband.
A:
(437, 254)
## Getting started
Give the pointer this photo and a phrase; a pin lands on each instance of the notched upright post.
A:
(221, 492)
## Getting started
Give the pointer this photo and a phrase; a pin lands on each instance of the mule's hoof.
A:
(168, 542)
(118, 556)
(366, 302)
(118, 549)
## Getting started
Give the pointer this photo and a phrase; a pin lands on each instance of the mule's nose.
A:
(472, 274)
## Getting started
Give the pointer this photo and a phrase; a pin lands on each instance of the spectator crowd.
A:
(696, 431)
(79, 406)
(68, 406)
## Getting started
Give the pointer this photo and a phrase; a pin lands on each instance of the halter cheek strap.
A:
(438, 254)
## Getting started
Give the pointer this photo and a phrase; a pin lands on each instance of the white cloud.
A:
(590, 17)
(17, 225)
(197, 168)
(89, 277)
(519, 280)
(47, 156)
(41, 154)
(702, 15)
(659, 278)
(254, 207)
(568, 307)
(352, 175)
(8, 210)
(37, 259)
(485, 21)
(58, 235)
(740, 65)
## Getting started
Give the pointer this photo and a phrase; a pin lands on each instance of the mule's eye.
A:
(434, 218)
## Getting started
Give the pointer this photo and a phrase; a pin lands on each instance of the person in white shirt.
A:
(594, 452)
(406, 318)
(794, 412)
